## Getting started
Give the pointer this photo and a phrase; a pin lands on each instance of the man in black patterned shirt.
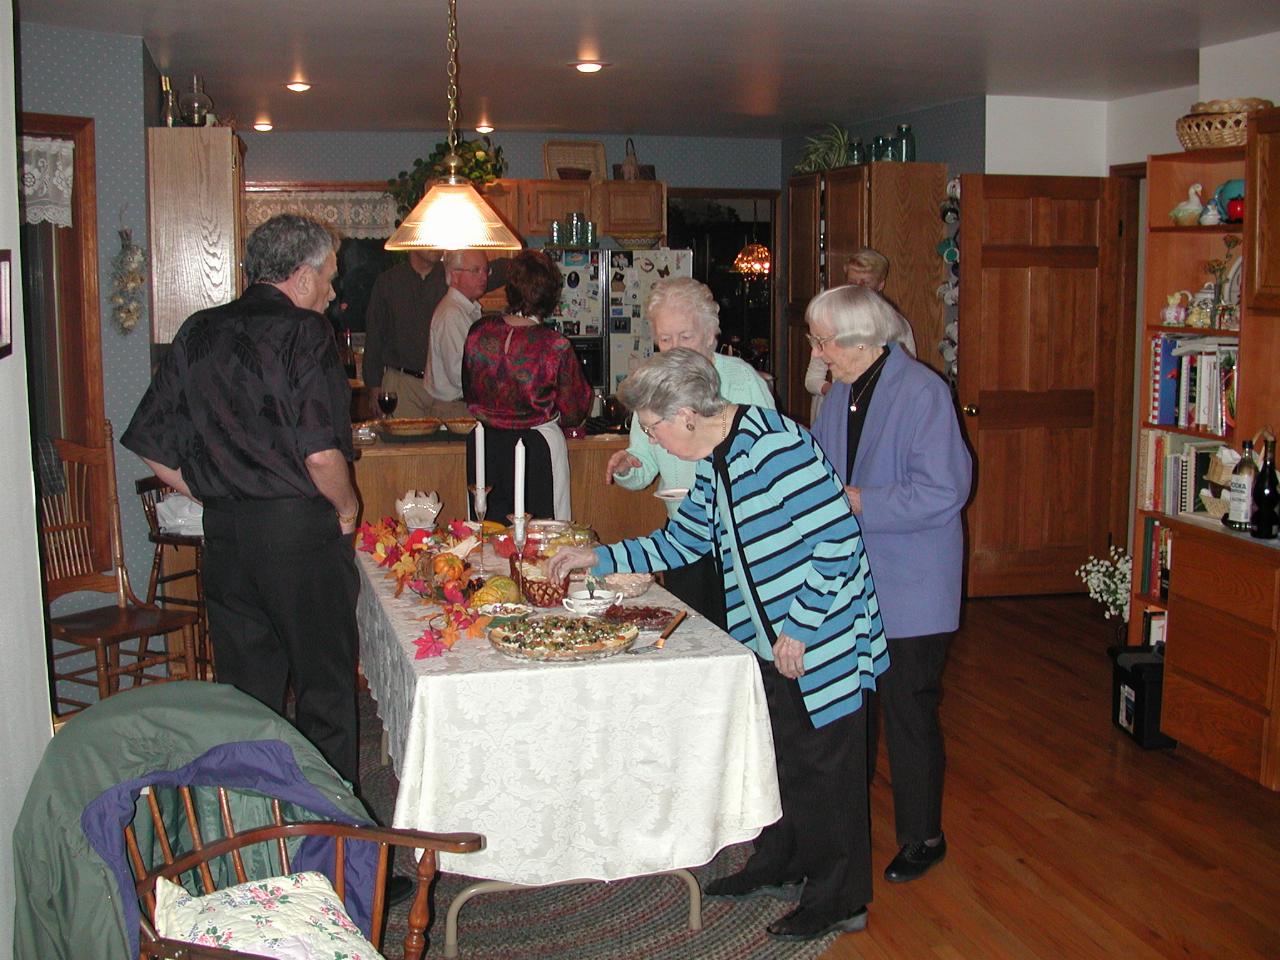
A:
(249, 413)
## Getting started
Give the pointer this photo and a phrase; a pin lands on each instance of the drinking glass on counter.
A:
(387, 400)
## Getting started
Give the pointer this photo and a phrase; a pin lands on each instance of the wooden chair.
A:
(229, 855)
(67, 522)
(151, 490)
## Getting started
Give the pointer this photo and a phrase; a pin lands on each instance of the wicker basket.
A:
(1218, 123)
(541, 593)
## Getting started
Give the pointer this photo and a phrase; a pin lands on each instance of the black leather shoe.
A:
(804, 923)
(399, 889)
(739, 886)
(914, 861)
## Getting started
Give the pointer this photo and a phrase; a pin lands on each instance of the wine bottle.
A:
(1265, 524)
(168, 103)
(1240, 493)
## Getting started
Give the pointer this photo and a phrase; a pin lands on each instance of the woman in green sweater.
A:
(683, 313)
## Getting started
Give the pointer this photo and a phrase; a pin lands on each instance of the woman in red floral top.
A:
(524, 382)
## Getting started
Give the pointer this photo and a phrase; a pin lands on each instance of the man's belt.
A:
(413, 373)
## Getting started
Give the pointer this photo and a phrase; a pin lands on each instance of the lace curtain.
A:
(352, 213)
(46, 180)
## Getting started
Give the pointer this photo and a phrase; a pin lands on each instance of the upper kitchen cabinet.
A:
(892, 207)
(504, 197)
(621, 207)
(542, 201)
(195, 178)
(629, 208)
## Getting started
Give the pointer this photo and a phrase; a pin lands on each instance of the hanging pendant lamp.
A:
(753, 260)
(452, 215)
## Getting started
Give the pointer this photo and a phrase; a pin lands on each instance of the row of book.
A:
(1192, 382)
(1156, 556)
(1172, 471)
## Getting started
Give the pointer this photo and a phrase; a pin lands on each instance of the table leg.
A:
(499, 886)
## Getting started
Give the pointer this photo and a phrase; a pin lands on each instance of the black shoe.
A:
(914, 861)
(399, 889)
(805, 923)
(739, 886)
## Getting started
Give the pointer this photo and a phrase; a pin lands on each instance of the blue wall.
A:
(680, 161)
(83, 74)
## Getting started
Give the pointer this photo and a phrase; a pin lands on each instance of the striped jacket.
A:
(803, 546)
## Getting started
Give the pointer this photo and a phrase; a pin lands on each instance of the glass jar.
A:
(857, 152)
(904, 144)
(576, 230)
(557, 233)
(881, 149)
(195, 103)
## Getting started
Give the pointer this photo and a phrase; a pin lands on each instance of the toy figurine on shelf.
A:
(1187, 213)
(1174, 314)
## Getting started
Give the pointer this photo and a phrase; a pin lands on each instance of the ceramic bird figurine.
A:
(1187, 213)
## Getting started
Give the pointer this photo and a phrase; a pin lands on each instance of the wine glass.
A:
(387, 401)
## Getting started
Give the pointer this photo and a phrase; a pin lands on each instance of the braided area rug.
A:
(642, 919)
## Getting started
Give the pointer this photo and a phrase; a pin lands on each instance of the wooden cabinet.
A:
(542, 201)
(629, 208)
(1221, 667)
(892, 207)
(195, 178)
(1222, 664)
(504, 197)
(624, 207)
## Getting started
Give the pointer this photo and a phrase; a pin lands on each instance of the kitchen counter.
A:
(384, 471)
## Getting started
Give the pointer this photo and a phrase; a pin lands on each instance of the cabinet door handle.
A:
(970, 410)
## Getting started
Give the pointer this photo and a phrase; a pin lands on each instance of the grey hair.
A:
(870, 261)
(455, 259)
(668, 381)
(859, 315)
(688, 296)
(284, 243)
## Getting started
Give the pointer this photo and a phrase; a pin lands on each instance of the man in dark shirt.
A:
(249, 413)
(398, 326)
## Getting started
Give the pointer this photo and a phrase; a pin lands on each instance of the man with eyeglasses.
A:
(467, 272)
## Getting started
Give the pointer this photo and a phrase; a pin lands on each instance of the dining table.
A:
(573, 771)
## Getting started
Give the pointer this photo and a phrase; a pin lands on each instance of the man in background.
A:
(467, 272)
(249, 413)
(398, 326)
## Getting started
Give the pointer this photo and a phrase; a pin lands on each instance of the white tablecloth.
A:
(597, 770)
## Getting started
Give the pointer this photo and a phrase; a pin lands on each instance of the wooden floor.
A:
(1067, 840)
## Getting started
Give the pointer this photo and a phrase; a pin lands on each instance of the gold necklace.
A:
(873, 372)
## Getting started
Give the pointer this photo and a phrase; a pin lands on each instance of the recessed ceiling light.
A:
(588, 66)
(263, 126)
(298, 86)
(484, 128)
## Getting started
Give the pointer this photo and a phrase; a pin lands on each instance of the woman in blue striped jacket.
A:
(798, 592)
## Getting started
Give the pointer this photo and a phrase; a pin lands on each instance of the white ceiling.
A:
(764, 68)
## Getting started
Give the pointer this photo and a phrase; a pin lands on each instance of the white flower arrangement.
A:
(1108, 581)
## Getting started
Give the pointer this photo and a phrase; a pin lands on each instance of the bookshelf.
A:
(1214, 594)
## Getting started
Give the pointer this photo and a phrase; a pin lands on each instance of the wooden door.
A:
(1042, 352)
(803, 280)
(630, 208)
(847, 227)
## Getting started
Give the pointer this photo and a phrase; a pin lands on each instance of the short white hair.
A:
(689, 297)
(859, 315)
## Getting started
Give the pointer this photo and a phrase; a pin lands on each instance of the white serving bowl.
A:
(581, 603)
(630, 585)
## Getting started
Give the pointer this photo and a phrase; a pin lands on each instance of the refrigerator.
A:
(601, 307)
(631, 274)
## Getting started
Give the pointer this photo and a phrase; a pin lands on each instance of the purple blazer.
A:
(915, 474)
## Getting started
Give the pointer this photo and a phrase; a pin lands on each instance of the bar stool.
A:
(150, 491)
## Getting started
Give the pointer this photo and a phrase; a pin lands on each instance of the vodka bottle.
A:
(1240, 495)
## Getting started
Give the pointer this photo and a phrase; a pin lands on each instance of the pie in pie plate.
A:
(562, 638)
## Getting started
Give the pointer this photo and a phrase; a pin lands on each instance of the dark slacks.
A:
(825, 833)
(909, 693)
(701, 586)
(499, 473)
(281, 585)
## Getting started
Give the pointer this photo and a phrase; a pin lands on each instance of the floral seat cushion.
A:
(297, 917)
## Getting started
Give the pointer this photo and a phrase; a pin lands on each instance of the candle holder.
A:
(479, 504)
(519, 536)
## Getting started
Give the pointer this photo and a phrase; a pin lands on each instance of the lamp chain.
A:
(452, 89)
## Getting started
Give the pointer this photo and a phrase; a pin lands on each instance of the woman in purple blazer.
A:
(889, 427)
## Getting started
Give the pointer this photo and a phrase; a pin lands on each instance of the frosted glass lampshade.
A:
(453, 216)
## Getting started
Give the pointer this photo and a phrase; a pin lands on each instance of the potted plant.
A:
(826, 151)
(481, 163)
